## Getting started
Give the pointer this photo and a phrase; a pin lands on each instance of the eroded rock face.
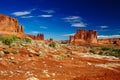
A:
(115, 41)
(8, 24)
(37, 37)
(83, 37)
(92, 36)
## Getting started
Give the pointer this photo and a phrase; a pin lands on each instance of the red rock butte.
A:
(10, 26)
(83, 37)
(90, 37)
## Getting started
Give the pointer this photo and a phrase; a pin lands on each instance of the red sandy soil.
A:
(77, 67)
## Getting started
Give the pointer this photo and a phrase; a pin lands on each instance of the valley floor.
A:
(77, 67)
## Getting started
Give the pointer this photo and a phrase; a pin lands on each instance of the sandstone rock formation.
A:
(83, 37)
(115, 41)
(37, 37)
(10, 26)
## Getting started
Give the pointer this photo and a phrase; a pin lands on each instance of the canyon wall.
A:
(83, 37)
(10, 26)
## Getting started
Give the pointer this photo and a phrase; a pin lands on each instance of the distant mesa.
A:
(90, 37)
(10, 26)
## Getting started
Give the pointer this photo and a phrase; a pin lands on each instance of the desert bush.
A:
(92, 51)
(6, 51)
(111, 52)
(104, 48)
(15, 52)
(7, 41)
(26, 40)
(63, 55)
(14, 38)
(100, 53)
(52, 44)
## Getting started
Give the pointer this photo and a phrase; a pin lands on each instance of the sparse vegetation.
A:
(106, 51)
(52, 44)
(63, 55)
(6, 51)
(92, 51)
(8, 40)
(26, 40)
(15, 52)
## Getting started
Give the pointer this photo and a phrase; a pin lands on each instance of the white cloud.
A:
(81, 24)
(75, 21)
(35, 32)
(103, 27)
(21, 13)
(43, 27)
(72, 19)
(108, 36)
(69, 34)
(27, 16)
(45, 16)
(48, 11)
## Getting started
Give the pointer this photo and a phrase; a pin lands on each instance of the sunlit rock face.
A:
(92, 36)
(82, 37)
(115, 41)
(8, 24)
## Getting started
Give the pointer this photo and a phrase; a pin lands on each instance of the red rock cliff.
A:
(37, 37)
(92, 36)
(83, 37)
(8, 24)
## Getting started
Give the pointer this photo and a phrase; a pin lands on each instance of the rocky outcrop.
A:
(8, 24)
(37, 37)
(92, 36)
(115, 41)
(83, 37)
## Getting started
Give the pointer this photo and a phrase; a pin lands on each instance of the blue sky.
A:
(58, 19)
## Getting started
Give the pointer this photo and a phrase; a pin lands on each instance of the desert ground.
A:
(41, 61)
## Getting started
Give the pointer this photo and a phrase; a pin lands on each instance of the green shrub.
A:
(6, 51)
(104, 48)
(92, 51)
(63, 55)
(52, 44)
(100, 53)
(15, 52)
(15, 38)
(26, 40)
(7, 41)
